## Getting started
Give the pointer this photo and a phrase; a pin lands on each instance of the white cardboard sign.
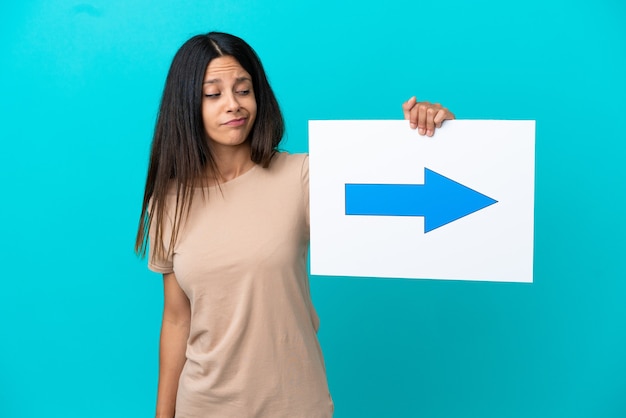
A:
(386, 202)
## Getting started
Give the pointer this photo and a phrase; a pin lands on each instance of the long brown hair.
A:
(180, 153)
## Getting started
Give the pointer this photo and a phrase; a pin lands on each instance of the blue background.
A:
(79, 90)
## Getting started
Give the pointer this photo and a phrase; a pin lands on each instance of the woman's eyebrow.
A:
(218, 80)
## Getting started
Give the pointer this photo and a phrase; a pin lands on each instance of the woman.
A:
(227, 217)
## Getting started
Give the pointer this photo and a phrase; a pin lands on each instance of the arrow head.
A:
(448, 200)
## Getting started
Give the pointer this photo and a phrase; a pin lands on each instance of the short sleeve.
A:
(161, 263)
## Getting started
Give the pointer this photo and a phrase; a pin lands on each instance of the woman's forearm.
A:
(174, 335)
(171, 361)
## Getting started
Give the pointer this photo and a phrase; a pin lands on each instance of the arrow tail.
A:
(384, 199)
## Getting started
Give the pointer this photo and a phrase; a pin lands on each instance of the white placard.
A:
(375, 234)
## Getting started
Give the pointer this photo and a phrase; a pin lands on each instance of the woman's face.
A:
(228, 104)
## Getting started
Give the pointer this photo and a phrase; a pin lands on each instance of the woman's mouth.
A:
(236, 122)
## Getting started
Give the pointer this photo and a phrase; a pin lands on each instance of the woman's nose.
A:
(233, 103)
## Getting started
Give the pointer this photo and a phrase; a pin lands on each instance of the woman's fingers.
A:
(425, 116)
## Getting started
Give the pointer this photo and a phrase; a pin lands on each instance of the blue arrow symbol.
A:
(439, 200)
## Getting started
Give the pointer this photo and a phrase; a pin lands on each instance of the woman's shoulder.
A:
(286, 161)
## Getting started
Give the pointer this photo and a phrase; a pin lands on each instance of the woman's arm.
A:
(174, 334)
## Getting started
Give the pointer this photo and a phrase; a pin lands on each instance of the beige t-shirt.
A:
(240, 258)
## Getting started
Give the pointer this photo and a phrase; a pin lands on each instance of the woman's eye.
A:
(212, 95)
(244, 92)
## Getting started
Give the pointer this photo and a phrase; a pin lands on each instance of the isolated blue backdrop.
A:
(79, 89)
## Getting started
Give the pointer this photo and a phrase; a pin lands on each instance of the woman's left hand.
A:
(425, 116)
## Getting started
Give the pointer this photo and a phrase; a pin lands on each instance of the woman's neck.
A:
(231, 162)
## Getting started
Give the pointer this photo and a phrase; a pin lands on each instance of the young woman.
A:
(227, 219)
